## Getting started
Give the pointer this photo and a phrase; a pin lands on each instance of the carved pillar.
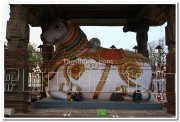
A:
(16, 58)
(47, 52)
(142, 38)
(171, 56)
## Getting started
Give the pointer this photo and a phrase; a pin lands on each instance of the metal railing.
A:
(157, 87)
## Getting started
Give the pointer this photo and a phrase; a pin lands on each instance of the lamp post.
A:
(42, 68)
(159, 48)
(160, 75)
(161, 57)
(42, 65)
(135, 49)
(113, 47)
(40, 47)
(36, 76)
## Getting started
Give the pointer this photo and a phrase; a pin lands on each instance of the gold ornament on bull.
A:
(131, 70)
(75, 71)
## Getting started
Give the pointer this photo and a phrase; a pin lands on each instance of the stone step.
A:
(99, 104)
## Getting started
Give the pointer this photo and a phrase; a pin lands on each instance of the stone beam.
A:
(99, 22)
(127, 12)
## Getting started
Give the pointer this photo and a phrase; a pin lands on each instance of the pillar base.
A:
(17, 101)
(171, 103)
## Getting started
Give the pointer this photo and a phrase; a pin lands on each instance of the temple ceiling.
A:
(98, 14)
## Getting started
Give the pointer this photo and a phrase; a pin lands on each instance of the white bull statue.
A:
(81, 65)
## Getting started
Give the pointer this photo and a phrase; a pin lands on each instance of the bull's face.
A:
(55, 33)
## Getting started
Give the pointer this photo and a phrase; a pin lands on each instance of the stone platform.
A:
(50, 108)
(97, 104)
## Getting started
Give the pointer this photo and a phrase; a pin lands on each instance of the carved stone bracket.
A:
(142, 38)
(141, 27)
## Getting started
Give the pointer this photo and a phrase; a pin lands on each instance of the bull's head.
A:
(55, 33)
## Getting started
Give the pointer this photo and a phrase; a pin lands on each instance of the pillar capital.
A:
(137, 25)
(17, 26)
(170, 28)
(170, 14)
(18, 11)
(141, 27)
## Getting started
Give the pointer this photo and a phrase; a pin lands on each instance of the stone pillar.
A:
(47, 52)
(142, 38)
(171, 56)
(16, 59)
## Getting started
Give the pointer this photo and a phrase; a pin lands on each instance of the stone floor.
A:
(69, 113)
(92, 113)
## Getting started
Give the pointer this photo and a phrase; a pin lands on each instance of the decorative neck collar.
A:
(76, 41)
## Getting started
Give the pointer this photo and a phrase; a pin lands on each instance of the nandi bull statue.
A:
(81, 65)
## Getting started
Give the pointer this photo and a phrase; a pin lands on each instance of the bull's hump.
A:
(111, 54)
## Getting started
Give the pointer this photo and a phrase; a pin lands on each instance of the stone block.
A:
(17, 29)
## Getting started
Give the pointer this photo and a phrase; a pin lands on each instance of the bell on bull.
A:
(98, 71)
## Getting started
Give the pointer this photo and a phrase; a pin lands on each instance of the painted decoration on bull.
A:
(113, 67)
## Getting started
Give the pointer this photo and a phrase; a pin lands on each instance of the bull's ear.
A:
(61, 20)
(68, 22)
